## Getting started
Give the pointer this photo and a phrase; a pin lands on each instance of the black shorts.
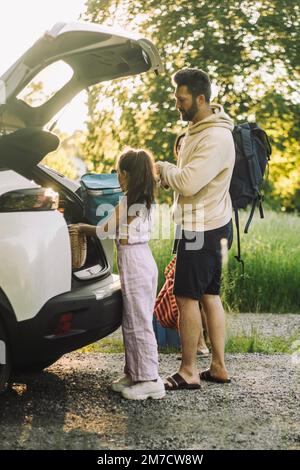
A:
(199, 262)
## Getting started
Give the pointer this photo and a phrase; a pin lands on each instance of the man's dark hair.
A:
(197, 82)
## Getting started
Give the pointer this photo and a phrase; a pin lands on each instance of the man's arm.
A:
(203, 168)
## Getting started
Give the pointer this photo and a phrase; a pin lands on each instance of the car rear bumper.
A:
(68, 322)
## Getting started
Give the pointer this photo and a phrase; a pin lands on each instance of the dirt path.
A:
(71, 407)
(265, 324)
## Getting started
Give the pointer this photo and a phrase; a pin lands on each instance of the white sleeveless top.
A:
(139, 229)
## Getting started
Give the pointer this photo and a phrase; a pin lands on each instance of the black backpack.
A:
(252, 153)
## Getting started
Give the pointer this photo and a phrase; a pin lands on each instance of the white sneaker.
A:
(143, 390)
(121, 383)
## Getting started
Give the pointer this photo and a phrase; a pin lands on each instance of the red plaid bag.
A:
(165, 309)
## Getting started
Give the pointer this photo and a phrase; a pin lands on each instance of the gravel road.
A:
(70, 406)
(265, 324)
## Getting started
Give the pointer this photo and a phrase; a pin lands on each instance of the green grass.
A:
(256, 343)
(271, 252)
(162, 252)
(242, 343)
(106, 346)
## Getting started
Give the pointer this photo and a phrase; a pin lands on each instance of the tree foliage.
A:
(61, 159)
(66, 158)
(252, 52)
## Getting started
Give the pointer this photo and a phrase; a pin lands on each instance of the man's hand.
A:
(158, 166)
(164, 184)
(161, 181)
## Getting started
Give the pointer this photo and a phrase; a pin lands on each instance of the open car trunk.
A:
(94, 53)
(21, 151)
(71, 207)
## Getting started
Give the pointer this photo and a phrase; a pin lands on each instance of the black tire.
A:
(5, 359)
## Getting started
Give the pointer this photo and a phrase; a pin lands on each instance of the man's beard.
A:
(190, 113)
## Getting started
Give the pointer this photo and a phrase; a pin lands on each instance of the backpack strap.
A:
(237, 224)
(256, 201)
(248, 151)
(250, 216)
(261, 210)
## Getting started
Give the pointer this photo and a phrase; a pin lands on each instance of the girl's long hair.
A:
(139, 166)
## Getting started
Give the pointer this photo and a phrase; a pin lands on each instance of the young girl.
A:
(138, 275)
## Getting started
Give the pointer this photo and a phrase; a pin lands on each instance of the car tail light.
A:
(64, 324)
(27, 200)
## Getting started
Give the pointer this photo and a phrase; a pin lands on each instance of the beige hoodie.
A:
(202, 177)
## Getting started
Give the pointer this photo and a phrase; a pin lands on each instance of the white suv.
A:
(46, 309)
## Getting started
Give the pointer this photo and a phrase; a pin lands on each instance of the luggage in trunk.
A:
(100, 195)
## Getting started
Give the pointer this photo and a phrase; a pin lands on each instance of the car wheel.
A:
(5, 361)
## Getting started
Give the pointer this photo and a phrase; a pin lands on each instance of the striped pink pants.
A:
(138, 276)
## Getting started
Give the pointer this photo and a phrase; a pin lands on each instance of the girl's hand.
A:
(84, 229)
(73, 227)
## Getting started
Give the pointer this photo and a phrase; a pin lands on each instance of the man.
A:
(203, 208)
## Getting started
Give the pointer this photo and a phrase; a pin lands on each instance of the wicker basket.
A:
(78, 247)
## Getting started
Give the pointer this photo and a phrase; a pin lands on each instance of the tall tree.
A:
(252, 52)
